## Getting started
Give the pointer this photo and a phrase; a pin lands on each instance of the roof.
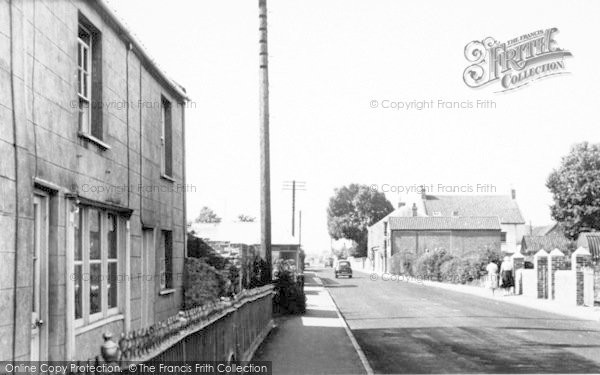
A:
(501, 206)
(544, 230)
(125, 34)
(590, 241)
(444, 223)
(533, 244)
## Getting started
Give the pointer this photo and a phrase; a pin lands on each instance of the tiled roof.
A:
(444, 223)
(502, 206)
(533, 244)
(590, 241)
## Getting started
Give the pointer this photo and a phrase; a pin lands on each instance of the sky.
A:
(330, 63)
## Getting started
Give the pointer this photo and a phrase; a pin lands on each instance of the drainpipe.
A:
(184, 179)
(16, 165)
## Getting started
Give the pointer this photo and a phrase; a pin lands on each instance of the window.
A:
(96, 264)
(166, 261)
(89, 81)
(166, 139)
(503, 237)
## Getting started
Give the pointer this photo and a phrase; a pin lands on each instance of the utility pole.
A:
(265, 177)
(293, 186)
(300, 228)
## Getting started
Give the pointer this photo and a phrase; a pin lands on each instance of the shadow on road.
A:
(467, 350)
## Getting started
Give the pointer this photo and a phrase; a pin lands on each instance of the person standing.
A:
(506, 272)
(492, 277)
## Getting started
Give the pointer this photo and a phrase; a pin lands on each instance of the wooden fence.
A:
(222, 331)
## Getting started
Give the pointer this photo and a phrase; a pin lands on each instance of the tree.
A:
(246, 218)
(352, 209)
(575, 188)
(207, 216)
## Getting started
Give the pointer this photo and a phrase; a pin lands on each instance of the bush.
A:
(427, 266)
(289, 296)
(469, 267)
(202, 283)
(402, 263)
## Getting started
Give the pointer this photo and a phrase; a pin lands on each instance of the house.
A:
(458, 235)
(504, 207)
(93, 182)
(532, 244)
(456, 222)
(544, 230)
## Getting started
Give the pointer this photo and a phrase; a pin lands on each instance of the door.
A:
(148, 277)
(39, 276)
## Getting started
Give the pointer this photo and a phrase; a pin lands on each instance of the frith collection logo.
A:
(516, 62)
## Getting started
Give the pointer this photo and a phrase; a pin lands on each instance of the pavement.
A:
(317, 342)
(405, 327)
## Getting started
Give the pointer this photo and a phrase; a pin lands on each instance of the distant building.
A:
(532, 244)
(504, 207)
(234, 235)
(458, 223)
(92, 180)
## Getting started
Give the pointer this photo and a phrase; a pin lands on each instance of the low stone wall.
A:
(565, 287)
(360, 263)
(528, 281)
(597, 282)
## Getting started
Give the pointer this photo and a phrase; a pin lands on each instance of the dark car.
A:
(343, 268)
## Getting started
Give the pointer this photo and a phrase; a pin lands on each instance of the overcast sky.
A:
(328, 60)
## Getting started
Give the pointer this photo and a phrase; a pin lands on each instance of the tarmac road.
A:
(410, 328)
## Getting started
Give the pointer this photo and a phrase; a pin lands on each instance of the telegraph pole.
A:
(293, 186)
(265, 178)
(300, 228)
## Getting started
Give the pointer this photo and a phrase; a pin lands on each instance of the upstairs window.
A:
(166, 139)
(503, 237)
(89, 81)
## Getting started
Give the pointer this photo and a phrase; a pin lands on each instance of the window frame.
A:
(503, 236)
(166, 284)
(85, 97)
(166, 139)
(87, 317)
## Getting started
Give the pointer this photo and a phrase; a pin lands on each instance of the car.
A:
(343, 268)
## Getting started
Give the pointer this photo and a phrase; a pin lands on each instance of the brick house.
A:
(418, 235)
(504, 207)
(93, 181)
(435, 220)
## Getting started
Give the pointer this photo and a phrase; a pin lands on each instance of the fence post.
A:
(556, 261)
(580, 259)
(518, 261)
(540, 260)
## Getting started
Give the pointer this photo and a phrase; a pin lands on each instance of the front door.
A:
(39, 278)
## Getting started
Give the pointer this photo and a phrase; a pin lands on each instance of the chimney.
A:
(455, 213)
(513, 193)
(423, 192)
(414, 209)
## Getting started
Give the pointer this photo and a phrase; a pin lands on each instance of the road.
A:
(411, 328)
